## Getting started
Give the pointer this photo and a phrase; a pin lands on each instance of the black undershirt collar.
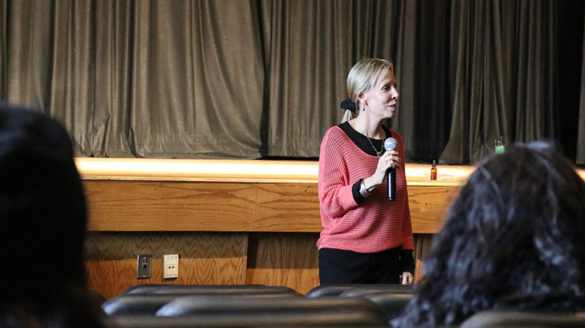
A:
(361, 140)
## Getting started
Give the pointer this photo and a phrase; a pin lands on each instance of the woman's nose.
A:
(395, 94)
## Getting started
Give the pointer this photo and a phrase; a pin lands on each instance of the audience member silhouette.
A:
(43, 224)
(514, 239)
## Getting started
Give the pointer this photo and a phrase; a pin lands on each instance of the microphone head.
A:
(390, 144)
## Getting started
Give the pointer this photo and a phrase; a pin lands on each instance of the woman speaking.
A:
(366, 237)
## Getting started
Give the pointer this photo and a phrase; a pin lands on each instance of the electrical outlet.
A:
(171, 266)
(143, 266)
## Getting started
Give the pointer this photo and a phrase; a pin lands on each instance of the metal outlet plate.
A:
(143, 266)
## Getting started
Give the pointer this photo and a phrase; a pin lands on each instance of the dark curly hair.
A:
(514, 239)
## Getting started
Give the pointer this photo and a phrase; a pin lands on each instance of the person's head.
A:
(42, 208)
(371, 85)
(513, 238)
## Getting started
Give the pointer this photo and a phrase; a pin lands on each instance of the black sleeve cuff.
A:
(355, 190)
(407, 261)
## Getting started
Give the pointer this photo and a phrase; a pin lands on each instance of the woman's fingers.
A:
(407, 278)
(392, 159)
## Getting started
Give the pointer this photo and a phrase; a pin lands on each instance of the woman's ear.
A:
(362, 99)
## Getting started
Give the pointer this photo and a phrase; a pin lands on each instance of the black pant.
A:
(338, 266)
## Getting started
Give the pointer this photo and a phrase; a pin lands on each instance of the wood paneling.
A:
(204, 258)
(169, 206)
(287, 208)
(201, 206)
(275, 259)
(284, 259)
(429, 205)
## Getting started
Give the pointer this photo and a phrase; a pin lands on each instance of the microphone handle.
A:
(391, 184)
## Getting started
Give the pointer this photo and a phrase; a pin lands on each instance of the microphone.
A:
(391, 144)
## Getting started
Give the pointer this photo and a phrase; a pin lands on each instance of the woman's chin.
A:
(390, 113)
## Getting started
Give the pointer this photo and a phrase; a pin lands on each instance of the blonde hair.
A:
(365, 74)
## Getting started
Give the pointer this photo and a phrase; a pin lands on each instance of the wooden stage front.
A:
(230, 221)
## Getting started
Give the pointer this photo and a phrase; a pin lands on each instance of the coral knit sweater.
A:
(375, 225)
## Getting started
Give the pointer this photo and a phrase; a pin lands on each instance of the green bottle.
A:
(500, 148)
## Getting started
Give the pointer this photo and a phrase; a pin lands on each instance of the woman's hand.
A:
(390, 159)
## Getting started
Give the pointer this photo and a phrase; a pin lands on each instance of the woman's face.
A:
(382, 98)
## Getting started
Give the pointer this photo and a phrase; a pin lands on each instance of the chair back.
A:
(392, 304)
(193, 305)
(136, 304)
(357, 289)
(377, 289)
(240, 320)
(209, 289)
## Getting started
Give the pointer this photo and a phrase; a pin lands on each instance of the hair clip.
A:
(348, 104)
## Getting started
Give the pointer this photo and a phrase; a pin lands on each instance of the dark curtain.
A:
(503, 73)
(574, 61)
(264, 78)
(581, 132)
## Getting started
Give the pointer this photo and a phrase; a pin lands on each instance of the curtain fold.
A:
(3, 49)
(230, 79)
(580, 157)
(198, 79)
(29, 50)
(503, 71)
(264, 78)
(426, 93)
(307, 61)
(112, 134)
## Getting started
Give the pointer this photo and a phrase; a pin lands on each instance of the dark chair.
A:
(133, 304)
(338, 290)
(217, 304)
(393, 304)
(361, 291)
(208, 289)
(349, 318)
(517, 319)
(136, 304)
(391, 298)
(329, 290)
